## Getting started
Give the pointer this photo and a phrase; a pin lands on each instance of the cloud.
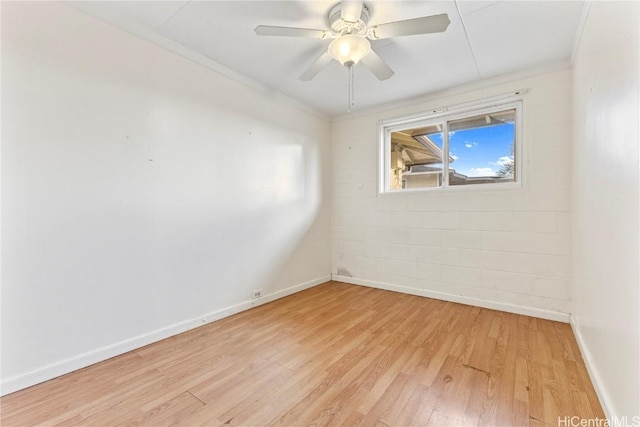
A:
(470, 144)
(504, 160)
(480, 172)
(454, 157)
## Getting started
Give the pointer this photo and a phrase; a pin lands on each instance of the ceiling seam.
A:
(172, 15)
(586, 8)
(482, 7)
(466, 34)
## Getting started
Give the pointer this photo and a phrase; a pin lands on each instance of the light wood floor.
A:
(335, 354)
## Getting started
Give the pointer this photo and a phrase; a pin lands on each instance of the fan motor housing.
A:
(342, 27)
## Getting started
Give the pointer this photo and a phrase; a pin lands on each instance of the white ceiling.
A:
(484, 39)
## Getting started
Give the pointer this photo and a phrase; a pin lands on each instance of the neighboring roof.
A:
(417, 148)
(455, 178)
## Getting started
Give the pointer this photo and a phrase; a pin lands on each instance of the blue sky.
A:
(479, 151)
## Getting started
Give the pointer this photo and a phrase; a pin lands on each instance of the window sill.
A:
(497, 188)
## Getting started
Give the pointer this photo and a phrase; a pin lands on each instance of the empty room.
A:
(378, 213)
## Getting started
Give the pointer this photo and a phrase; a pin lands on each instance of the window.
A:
(465, 147)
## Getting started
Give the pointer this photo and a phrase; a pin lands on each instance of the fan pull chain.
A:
(351, 90)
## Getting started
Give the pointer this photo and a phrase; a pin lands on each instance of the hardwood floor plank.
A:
(388, 370)
(354, 419)
(335, 354)
(407, 415)
(436, 389)
(393, 413)
(346, 378)
(387, 400)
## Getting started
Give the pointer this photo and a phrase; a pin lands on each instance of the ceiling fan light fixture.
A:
(349, 49)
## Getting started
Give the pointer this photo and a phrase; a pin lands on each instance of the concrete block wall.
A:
(508, 249)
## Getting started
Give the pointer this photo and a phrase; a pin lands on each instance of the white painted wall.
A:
(606, 255)
(506, 249)
(141, 193)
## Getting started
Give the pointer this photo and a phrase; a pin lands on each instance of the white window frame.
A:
(514, 100)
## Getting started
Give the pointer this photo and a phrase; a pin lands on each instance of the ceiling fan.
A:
(348, 28)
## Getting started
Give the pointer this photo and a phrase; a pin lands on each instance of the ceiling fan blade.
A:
(424, 25)
(351, 10)
(268, 30)
(377, 66)
(315, 68)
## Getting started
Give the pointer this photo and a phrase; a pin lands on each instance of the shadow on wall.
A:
(247, 233)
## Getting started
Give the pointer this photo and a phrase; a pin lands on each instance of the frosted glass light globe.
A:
(349, 49)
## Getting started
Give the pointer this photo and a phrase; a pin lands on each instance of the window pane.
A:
(416, 157)
(482, 149)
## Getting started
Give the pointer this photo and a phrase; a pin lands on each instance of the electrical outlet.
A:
(257, 293)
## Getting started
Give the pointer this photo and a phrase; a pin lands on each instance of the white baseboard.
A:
(478, 302)
(19, 382)
(596, 380)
